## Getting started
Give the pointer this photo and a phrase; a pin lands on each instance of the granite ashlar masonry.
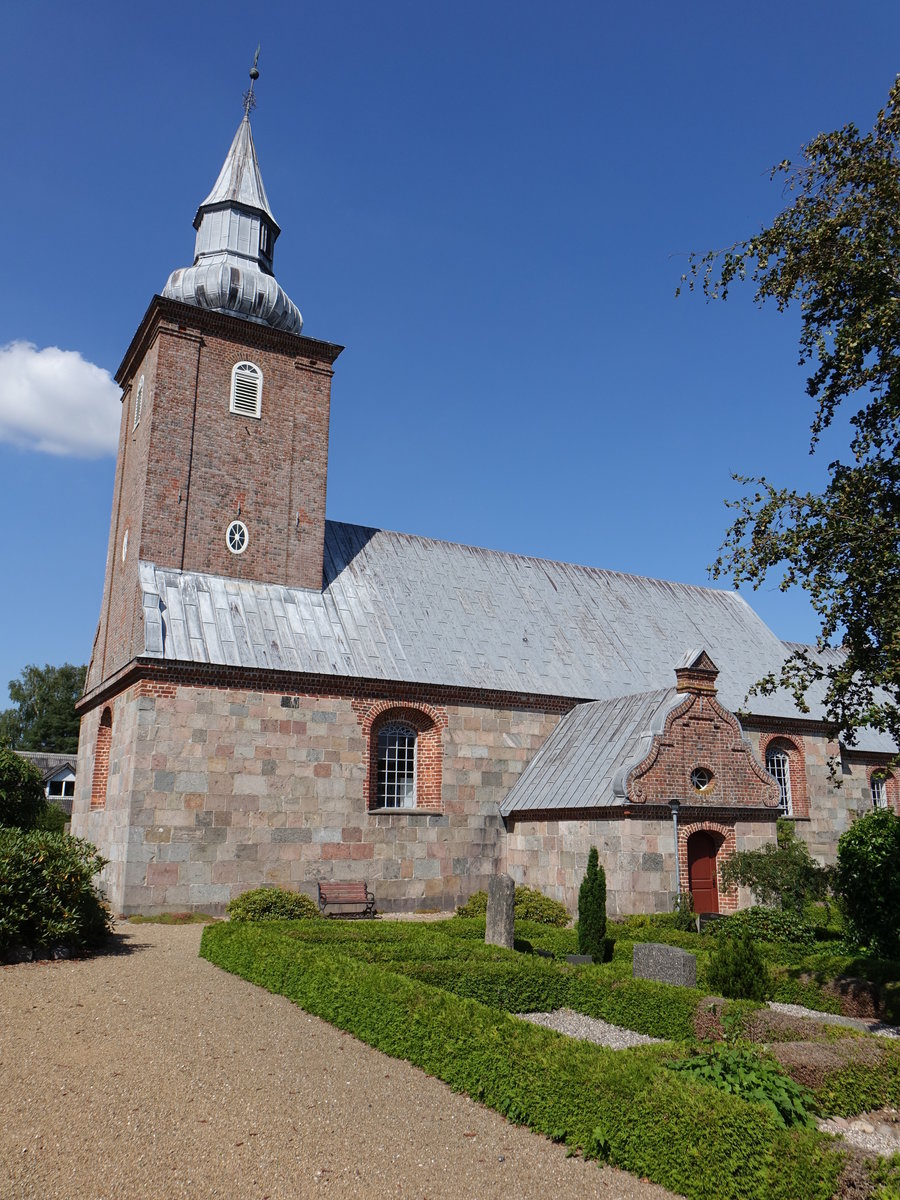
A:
(214, 792)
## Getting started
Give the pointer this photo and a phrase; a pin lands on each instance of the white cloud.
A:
(55, 401)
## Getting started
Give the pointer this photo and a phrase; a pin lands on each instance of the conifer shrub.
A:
(272, 904)
(48, 899)
(592, 909)
(685, 919)
(737, 970)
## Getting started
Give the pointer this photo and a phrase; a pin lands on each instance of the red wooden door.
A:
(702, 872)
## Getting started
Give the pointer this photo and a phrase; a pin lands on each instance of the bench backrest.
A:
(338, 893)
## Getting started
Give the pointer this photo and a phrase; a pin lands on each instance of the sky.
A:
(490, 204)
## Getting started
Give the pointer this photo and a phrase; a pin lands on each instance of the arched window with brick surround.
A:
(882, 788)
(404, 754)
(101, 760)
(784, 761)
(395, 785)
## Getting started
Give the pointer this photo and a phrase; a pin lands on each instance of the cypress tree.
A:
(592, 909)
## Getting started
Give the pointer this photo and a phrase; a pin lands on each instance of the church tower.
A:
(223, 444)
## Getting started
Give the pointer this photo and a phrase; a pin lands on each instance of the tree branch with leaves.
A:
(834, 251)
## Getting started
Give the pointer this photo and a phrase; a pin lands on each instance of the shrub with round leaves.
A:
(272, 904)
(530, 905)
(867, 881)
(766, 925)
(48, 898)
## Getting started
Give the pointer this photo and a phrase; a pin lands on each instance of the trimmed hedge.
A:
(272, 904)
(47, 895)
(623, 1106)
(530, 905)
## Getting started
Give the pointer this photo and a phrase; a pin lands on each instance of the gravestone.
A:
(664, 964)
(500, 912)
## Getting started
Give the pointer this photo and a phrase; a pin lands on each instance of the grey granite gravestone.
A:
(500, 912)
(665, 964)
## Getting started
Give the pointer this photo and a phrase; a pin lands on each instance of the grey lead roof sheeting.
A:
(577, 765)
(415, 610)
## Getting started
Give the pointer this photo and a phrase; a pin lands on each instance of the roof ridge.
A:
(533, 558)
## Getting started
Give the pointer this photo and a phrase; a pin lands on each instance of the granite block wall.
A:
(217, 791)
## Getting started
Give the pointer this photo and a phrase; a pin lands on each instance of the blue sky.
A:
(490, 204)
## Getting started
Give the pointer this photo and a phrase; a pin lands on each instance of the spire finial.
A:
(249, 98)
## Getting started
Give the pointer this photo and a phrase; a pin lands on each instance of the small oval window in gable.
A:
(138, 402)
(246, 390)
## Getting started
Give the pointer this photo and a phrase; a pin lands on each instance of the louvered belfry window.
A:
(138, 403)
(246, 389)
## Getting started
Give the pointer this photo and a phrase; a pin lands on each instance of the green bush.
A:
(622, 1105)
(737, 970)
(22, 799)
(766, 925)
(744, 1073)
(52, 819)
(784, 875)
(272, 904)
(867, 881)
(685, 919)
(592, 909)
(47, 893)
(530, 905)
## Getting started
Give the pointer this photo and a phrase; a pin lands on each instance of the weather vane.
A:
(249, 98)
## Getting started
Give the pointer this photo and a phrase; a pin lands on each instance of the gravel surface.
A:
(153, 1074)
(879, 1028)
(589, 1029)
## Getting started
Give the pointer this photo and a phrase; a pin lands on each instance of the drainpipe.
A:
(675, 805)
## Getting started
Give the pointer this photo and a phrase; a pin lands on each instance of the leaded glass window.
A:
(396, 766)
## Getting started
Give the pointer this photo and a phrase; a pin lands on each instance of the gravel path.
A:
(589, 1029)
(867, 1025)
(154, 1074)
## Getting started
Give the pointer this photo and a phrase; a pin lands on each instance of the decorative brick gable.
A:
(701, 735)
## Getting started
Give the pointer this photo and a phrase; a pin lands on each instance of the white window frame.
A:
(138, 403)
(246, 390)
(878, 790)
(778, 764)
(237, 537)
(397, 765)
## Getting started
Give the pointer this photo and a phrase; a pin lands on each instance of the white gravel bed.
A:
(866, 1132)
(867, 1025)
(589, 1029)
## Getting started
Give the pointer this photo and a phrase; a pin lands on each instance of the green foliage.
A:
(766, 925)
(272, 904)
(683, 912)
(784, 875)
(44, 716)
(868, 881)
(47, 893)
(623, 1106)
(831, 252)
(533, 905)
(530, 905)
(22, 800)
(592, 909)
(744, 1073)
(53, 819)
(182, 918)
(863, 1086)
(737, 970)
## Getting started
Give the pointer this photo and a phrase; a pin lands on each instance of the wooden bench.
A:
(356, 894)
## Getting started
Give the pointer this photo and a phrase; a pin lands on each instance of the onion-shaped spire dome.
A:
(236, 232)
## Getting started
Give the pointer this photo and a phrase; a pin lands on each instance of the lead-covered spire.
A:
(236, 232)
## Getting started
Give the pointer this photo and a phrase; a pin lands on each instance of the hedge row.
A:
(623, 1106)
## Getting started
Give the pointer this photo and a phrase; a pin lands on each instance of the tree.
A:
(592, 909)
(44, 717)
(784, 875)
(835, 252)
(22, 799)
(868, 880)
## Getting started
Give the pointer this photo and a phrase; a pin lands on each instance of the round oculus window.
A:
(236, 537)
(701, 779)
